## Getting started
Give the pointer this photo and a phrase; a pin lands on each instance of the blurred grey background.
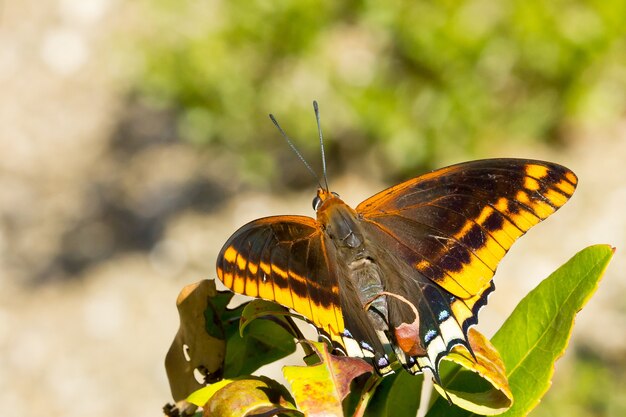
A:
(134, 140)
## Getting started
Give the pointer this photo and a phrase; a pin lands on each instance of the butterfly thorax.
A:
(339, 223)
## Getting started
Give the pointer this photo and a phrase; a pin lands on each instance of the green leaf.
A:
(216, 314)
(480, 384)
(529, 348)
(268, 309)
(537, 332)
(204, 394)
(263, 342)
(398, 395)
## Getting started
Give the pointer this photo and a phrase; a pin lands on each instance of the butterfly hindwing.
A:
(442, 318)
(283, 259)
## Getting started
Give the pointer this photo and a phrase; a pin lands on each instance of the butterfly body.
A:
(405, 273)
(358, 274)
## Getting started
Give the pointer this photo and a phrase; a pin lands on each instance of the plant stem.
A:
(366, 395)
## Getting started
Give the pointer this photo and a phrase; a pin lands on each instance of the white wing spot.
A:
(199, 376)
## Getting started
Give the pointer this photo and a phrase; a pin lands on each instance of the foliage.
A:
(263, 396)
(538, 331)
(325, 382)
(529, 342)
(405, 83)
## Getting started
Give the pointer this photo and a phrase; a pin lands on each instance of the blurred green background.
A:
(403, 84)
(134, 139)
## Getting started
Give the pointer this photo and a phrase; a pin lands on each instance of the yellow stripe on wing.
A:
(256, 280)
(490, 235)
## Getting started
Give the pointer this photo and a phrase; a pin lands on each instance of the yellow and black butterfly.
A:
(406, 272)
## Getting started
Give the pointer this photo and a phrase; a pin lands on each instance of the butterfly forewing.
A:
(283, 259)
(456, 224)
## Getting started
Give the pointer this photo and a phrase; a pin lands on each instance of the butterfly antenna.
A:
(293, 148)
(319, 130)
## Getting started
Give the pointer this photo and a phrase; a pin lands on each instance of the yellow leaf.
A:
(490, 368)
(246, 397)
(319, 389)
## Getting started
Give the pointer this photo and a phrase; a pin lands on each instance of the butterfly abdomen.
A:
(366, 278)
(365, 312)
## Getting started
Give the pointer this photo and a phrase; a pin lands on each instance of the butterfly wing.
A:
(455, 224)
(283, 258)
(444, 233)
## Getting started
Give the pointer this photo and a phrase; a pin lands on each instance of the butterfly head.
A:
(323, 197)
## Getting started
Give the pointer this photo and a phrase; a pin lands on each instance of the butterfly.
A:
(406, 272)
